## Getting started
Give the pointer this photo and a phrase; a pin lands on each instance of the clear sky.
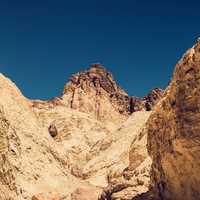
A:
(43, 42)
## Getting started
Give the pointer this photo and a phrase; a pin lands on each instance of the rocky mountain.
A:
(174, 133)
(94, 91)
(70, 146)
(171, 133)
(95, 142)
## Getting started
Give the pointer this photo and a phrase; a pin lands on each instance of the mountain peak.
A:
(95, 91)
(96, 77)
(97, 66)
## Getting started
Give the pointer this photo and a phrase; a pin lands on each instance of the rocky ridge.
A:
(171, 133)
(96, 142)
(174, 133)
(79, 140)
(100, 143)
(94, 91)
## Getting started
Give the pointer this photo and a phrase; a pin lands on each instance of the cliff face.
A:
(174, 133)
(152, 98)
(77, 146)
(74, 143)
(95, 91)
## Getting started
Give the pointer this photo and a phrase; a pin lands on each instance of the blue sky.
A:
(43, 42)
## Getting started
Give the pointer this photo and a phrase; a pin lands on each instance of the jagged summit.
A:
(95, 76)
(174, 133)
(98, 66)
(95, 91)
(86, 145)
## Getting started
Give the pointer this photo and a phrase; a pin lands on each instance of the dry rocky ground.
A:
(95, 142)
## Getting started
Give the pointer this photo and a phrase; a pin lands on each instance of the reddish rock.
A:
(95, 91)
(48, 196)
(152, 98)
(174, 133)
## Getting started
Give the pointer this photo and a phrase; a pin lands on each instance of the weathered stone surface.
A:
(66, 143)
(86, 193)
(8, 188)
(153, 98)
(39, 104)
(174, 133)
(47, 196)
(85, 150)
(135, 178)
(95, 91)
(30, 160)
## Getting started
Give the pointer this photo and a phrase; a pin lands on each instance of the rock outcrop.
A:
(174, 134)
(152, 98)
(73, 146)
(8, 148)
(30, 160)
(95, 91)
(86, 193)
(47, 196)
(134, 179)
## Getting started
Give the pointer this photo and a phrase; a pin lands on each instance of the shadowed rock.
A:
(174, 133)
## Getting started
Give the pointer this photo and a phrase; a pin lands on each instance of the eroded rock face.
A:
(8, 188)
(47, 196)
(95, 91)
(153, 98)
(86, 193)
(70, 142)
(83, 150)
(134, 179)
(174, 133)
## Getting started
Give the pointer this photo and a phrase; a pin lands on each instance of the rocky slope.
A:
(173, 136)
(173, 142)
(135, 178)
(174, 133)
(79, 142)
(96, 142)
(31, 161)
(94, 91)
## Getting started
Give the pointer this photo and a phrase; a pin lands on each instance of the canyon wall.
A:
(174, 133)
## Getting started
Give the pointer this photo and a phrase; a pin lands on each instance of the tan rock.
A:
(86, 193)
(69, 142)
(174, 134)
(30, 160)
(47, 196)
(134, 179)
(95, 91)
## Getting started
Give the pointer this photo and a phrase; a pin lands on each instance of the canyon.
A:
(95, 142)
